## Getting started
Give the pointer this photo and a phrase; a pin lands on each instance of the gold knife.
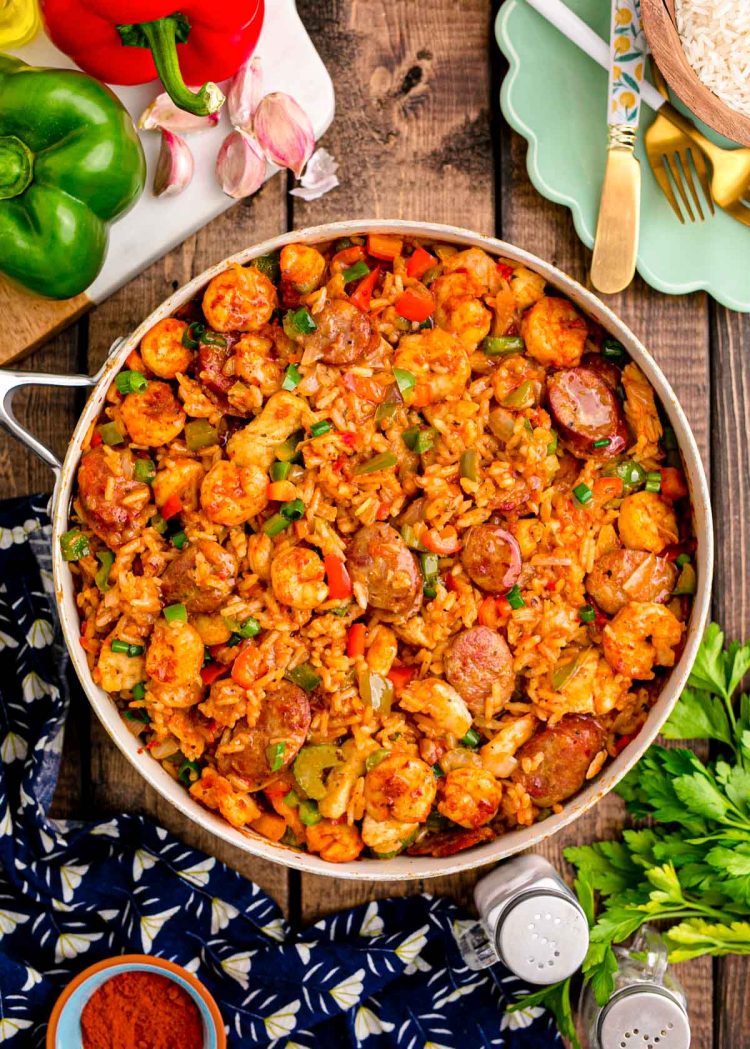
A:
(616, 243)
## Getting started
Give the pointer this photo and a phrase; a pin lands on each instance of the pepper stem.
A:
(161, 39)
(16, 167)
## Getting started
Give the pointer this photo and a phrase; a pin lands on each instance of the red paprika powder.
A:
(141, 1010)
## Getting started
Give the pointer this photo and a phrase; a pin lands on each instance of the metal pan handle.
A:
(10, 381)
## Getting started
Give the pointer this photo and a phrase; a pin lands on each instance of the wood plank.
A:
(666, 325)
(115, 785)
(32, 320)
(730, 413)
(412, 137)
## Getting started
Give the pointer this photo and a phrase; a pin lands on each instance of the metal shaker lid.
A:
(543, 937)
(643, 1016)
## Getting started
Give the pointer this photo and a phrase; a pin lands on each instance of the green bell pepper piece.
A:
(70, 163)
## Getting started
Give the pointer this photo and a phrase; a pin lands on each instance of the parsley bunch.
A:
(691, 866)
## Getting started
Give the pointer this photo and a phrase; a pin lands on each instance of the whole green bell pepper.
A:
(70, 163)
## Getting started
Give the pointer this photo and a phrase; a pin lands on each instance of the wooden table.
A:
(418, 134)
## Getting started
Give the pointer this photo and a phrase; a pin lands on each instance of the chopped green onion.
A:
(342, 244)
(276, 524)
(469, 467)
(630, 473)
(287, 451)
(292, 799)
(280, 471)
(385, 410)
(342, 610)
(438, 771)
(106, 559)
(378, 462)
(269, 265)
(158, 524)
(428, 322)
(682, 560)
(179, 539)
(125, 649)
(292, 511)
(189, 772)
(586, 614)
(308, 812)
(614, 351)
(552, 446)
(373, 760)
(419, 440)
(292, 379)
(653, 481)
(213, 338)
(603, 442)
(192, 335)
(199, 433)
(515, 599)
(355, 272)
(144, 470)
(583, 493)
(300, 321)
(497, 345)
(275, 755)
(233, 641)
(139, 690)
(429, 589)
(249, 627)
(175, 614)
(110, 433)
(405, 380)
(139, 714)
(520, 397)
(74, 545)
(687, 583)
(472, 739)
(319, 428)
(409, 536)
(303, 675)
(131, 382)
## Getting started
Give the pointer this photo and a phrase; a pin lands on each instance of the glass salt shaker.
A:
(529, 920)
(648, 1008)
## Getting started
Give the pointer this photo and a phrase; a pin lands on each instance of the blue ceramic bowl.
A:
(64, 1030)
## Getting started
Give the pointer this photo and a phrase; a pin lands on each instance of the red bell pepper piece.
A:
(212, 671)
(673, 484)
(419, 263)
(339, 583)
(363, 292)
(505, 271)
(414, 305)
(215, 39)
(171, 508)
(399, 677)
(355, 641)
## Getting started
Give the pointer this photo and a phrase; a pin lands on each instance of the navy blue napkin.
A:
(386, 974)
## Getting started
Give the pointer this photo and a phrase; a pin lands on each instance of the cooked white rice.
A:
(716, 37)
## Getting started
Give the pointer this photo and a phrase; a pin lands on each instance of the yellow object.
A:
(19, 22)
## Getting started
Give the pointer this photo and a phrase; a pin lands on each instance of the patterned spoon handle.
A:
(627, 63)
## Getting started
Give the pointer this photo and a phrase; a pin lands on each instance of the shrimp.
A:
(438, 707)
(256, 443)
(212, 628)
(382, 646)
(469, 797)
(259, 551)
(497, 755)
(619, 576)
(527, 286)
(515, 372)
(175, 654)
(117, 671)
(298, 577)
(254, 364)
(153, 416)
(232, 494)
(401, 787)
(554, 332)
(642, 635)
(641, 411)
(438, 361)
(459, 308)
(647, 522)
(180, 478)
(241, 298)
(178, 697)
(302, 268)
(335, 842)
(163, 350)
(216, 792)
(227, 702)
(477, 264)
(386, 837)
(591, 688)
(141, 595)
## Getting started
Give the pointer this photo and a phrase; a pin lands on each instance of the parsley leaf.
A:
(698, 715)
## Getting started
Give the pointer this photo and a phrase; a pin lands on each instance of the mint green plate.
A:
(555, 96)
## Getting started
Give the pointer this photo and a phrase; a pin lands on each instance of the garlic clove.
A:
(240, 165)
(244, 94)
(319, 177)
(174, 168)
(284, 131)
(163, 113)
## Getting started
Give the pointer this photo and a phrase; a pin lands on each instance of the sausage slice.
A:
(586, 412)
(344, 334)
(200, 577)
(474, 661)
(381, 562)
(567, 750)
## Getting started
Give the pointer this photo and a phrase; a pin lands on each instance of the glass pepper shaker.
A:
(648, 1008)
(529, 920)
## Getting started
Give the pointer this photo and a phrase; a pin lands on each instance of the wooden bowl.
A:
(659, 24)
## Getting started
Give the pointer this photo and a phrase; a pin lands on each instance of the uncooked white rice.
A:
(716, 37)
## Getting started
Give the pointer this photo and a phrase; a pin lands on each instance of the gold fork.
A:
(673, 157)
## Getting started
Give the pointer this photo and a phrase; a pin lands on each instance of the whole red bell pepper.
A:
(135, 41)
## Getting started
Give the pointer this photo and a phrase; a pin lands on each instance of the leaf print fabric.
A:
(386, 975)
